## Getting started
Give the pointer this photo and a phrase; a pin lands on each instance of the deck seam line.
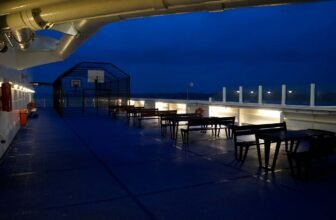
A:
(194, 185)
(110, 172)
(85, 203)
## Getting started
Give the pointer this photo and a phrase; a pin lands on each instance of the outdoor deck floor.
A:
(95, 167)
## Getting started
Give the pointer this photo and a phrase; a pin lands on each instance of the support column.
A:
(238, 116)
(312, 94)
(282, 116)
(240, 95)
(224, 94)
(283, 95)
(260, 93)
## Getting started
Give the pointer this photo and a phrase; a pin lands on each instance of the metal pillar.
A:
(283, 95)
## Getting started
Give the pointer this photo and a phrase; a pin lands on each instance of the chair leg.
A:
(300, 165)
(259, 155)
(226, 133)
(236, 152)
(182, 135)
(230, 133)
(286, 146)
(186, 136)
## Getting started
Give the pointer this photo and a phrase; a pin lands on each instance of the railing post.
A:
(282, 116)
(210, 99)
(283, 95)
(224, 94)
(260, 95)
(240, 95)
(312, 94)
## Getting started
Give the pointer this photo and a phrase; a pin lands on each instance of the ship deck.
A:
(94, 167)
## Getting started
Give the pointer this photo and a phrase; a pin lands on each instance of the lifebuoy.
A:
(6, 98)
(199, 111)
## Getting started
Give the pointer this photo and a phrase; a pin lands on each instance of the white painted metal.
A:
(240, 94)
(283, 95)
(296, 117)
(9, 121)
(19, 15)
(224, 94)
(33, 57)
(312, 94)
(10, 6)
(67, 28)
(260, 94)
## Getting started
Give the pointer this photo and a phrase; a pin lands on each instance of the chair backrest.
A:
(224, 120)
(198, 121)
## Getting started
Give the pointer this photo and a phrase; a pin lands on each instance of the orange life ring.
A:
(199, 111)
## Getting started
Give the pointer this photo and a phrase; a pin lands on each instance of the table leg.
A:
(267, 153)
(277, 147)
(176, 130)
(258, 151)
(172, 127)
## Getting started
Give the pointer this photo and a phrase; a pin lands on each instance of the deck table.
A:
(291, 137)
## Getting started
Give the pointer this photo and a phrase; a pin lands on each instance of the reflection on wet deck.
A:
(94, 167)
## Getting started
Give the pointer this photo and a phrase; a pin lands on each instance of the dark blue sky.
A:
(292, 44)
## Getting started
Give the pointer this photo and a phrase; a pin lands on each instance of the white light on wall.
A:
(269, 113)
(137, 103)
(237, 91)
(180, 107)
(219, 111)
(16, 86)
(25, 89)
(161, 105)
(290, 92)
(252, 92)
(268, 92)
